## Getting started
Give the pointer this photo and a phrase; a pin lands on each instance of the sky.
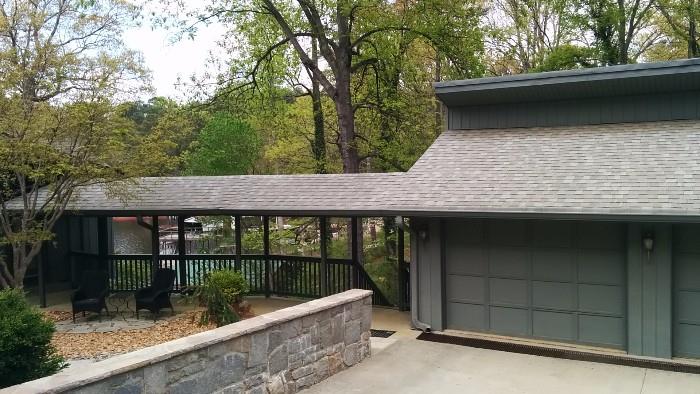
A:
(169, 60)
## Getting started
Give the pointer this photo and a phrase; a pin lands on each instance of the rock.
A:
(276, 385)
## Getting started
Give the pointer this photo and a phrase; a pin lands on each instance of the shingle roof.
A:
(247, 193)
(633, 169)
(648, 168)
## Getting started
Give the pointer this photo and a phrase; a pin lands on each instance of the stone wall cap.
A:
(123, 363)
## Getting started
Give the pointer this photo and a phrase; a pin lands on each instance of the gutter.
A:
(415, 322)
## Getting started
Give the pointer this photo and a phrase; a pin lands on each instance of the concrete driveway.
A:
(407, 365)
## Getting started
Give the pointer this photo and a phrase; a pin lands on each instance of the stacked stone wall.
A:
(281, 352)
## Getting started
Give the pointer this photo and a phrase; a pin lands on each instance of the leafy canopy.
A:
(225, 146)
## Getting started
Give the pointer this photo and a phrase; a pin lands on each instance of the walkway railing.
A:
(294, 276)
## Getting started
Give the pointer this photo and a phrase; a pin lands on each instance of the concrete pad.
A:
(413, 366)
(670, 382)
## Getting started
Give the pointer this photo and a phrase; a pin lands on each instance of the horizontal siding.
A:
(618, 109)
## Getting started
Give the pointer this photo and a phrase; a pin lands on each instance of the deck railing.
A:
(294, 276)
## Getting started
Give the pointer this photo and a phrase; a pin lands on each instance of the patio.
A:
(90, 340)
(428, 367)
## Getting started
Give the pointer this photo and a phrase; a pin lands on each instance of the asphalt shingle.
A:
(638, 169)
(626, 168)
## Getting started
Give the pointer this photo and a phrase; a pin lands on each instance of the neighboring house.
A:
(562, 206)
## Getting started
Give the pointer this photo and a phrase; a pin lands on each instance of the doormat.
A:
(381, 333)
(544, 351)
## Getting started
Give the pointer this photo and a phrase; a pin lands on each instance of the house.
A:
(562, 206)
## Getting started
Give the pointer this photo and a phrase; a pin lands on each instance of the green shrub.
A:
(26, 352)
(220, 294)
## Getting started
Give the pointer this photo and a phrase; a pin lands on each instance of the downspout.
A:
(415, 322)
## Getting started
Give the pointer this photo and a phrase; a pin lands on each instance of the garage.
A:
(553, 280)
(686, 264)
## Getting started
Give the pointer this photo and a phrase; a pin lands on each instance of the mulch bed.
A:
(106, 344)
(57, 316)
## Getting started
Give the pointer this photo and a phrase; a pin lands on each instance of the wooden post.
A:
(266, 253)
(239, 243)
(155, 245)
(323, 224)
(353, 251)
(102, 243)
(401, 265)
(182, 251)
(41, 262)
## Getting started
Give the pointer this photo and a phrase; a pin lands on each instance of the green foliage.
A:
(221, 291)
(26, 352)
(62, 65)
(567, 57)
(225, 146)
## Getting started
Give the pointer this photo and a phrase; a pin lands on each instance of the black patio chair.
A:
(157, 296)
(90, 296)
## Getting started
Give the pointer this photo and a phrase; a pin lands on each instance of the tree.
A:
(225, 146)
(521, 35)
(343, 33)
(682, 17)
(61, 64)
(623, 29)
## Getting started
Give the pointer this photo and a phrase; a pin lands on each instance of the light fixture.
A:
(423, 234)
(648, 243)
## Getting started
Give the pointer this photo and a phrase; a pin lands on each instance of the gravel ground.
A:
(106, 344)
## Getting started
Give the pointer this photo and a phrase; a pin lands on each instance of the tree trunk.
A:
(319, 145)
(622, 46)
(693, 49)
(346, 123)
(438, 104)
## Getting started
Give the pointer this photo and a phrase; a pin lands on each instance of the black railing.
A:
(294, 276)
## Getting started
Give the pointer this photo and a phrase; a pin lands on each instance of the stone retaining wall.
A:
(279, 352)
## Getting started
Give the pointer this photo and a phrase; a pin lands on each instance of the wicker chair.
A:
(157, 296)
(90, 296)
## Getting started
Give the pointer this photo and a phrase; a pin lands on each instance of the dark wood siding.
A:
(619, 109)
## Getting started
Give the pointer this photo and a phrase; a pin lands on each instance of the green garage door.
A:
(686, 263)
(555, 280)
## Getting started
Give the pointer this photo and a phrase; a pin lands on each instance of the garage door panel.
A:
(553, 295)
(601, 299)
(601, 235)
(511, 292)
(532, 278)
(602, 330)
(466, 316)
(552, 234)
(687, 271)
(509, 321)
(466, 289)
(601, 266)
(686, 267)
(465, 232)
(467, 260)
(508, 232)
(686, 341)
(509, 262)
(553, 264)
(554, 325)
(688, 307)
(686, 238)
